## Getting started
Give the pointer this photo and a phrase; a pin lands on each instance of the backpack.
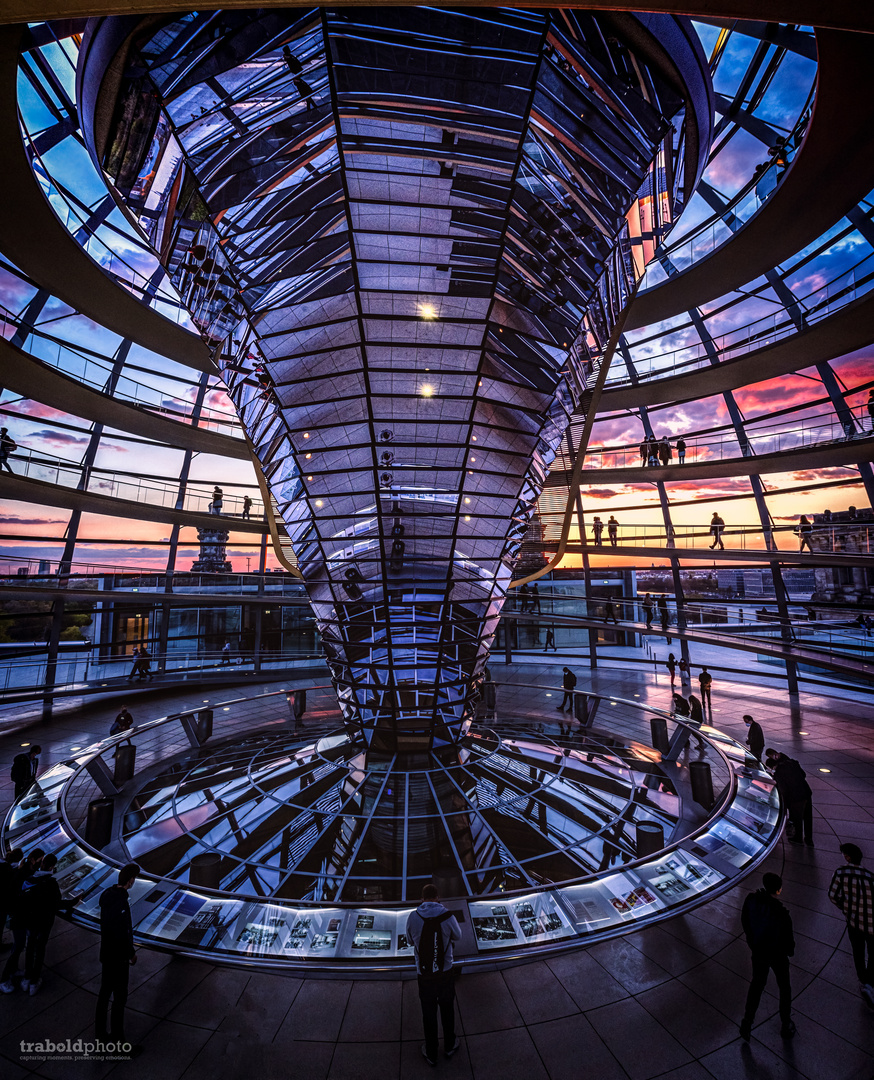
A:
(432, 948)
(8, 445)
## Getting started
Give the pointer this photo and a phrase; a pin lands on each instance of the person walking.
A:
(217, 500)
(144, 664)
(613, 530)
(597, 529)
(7, 446)
(804, 530)
(852, 892)
(135, 656)
(681, 450)
(568, 682)
(647, 610)
(434, 931)
(610, 611)
(767, 926)
(10, 883)
(41, 901)
(671, 665)
(755, 736)
(705, 681)
(535, 598)
(550, 639)
(23, 872)
(665, 451)
(524, 594)
(247, 507)
(23, 772)
(117, 956)
(717, 526)
(797, 796)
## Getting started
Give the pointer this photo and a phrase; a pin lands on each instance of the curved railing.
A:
(803, 434)
(827, 299)
(726, 842)
(117, 485)
(86, 367)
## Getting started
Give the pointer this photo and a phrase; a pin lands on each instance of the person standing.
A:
(23, 773)
(852, 892)
(870, 404)
(217, 499)
(644, 452)
(768, 929)
(550, 639)
(696, 710)
(247, 507)
(23, 872)
(7, 446)
(610, 611)
(613, 530)
(10, 884)
(804, 530)
(597, 530)
(717, 525)
(671, 665)
(41, 901)
(647, 610)
(524, 594)
(705, 681)
(755, 736)
(797, 796)
(568, 682)
(664, 615)
(681, 450)
(535, 598)
(652, 450)
(117, 955)
(433, 931)
(665, 451)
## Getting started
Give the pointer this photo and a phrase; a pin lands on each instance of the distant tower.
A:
(213, 558)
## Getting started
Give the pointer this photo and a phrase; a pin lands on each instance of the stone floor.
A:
(662, 1002)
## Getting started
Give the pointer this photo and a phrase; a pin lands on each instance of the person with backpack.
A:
(123, 722)
(7, 446)
(23, 773)
(433, 931)
(768, 929)
(852, 892)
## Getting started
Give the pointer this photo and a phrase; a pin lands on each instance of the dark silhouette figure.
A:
(568, 682)
(597, 530)
(433, 931)
(613, 530)
(23, 773)
(681, 450)
(647, 610)
(247, 507)
(755, 736)
(768, 929)
(796, 794)
(717, 526)
(804, 530)
(671, 665)
(610, 612)
(7, 446)
(705, 681)
(665, 451)
(550, 639)
(117, 954)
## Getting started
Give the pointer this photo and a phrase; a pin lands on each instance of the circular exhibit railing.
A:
(267, 838)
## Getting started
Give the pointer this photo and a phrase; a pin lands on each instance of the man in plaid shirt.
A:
(852, 890)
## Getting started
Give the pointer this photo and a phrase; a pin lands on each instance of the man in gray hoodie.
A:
(433, 931)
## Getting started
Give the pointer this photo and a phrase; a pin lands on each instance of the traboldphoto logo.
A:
(73, 1050)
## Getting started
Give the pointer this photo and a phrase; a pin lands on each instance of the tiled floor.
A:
(663, 1002)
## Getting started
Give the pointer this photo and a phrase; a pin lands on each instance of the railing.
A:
(837, 638)
(21, 570)
(651, 361)
(94, 372)
(810, 431)
(52, 470)
(837, 537)
(87, 669)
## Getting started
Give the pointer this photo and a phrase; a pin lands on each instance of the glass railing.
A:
(740, 341)
(95, 372)
(700, 449)
(50, 470)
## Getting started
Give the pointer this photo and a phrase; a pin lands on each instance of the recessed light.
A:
(309, 478)
(427, 390)
(306, 434)
(825, 770)
(25, 744)
(467, 517)
(803, 732)
(467, 500)
(318, 502)
(309, 456)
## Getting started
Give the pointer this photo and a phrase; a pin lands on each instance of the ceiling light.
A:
(427, 311)
(318, 502)
(427, 390)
